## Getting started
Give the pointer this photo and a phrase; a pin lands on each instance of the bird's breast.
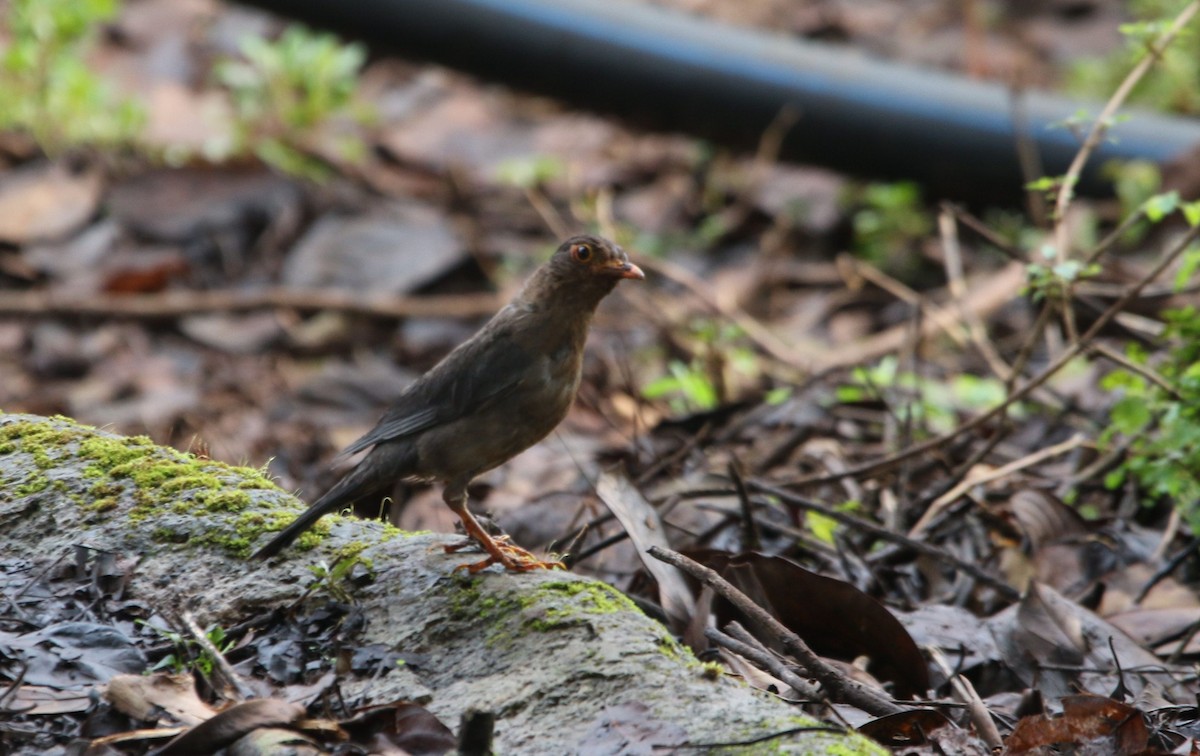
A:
(509, 425)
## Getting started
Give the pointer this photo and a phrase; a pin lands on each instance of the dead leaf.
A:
(905, 729)
(139, 697)
(41, 699)
(231, 724)
(833, 617)
(1121, 729)
(46, 201)
(1053, 643)
(645, 529)
(397, 248)
(401, 727)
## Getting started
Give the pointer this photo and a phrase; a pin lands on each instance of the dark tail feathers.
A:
(345, 491)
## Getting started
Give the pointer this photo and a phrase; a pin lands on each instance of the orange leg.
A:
(510, 556)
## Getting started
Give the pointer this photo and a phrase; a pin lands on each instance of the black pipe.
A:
(670, 71)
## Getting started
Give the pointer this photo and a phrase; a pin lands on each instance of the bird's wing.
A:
(482, 371)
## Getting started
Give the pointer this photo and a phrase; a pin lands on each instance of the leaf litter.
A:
(769, 351)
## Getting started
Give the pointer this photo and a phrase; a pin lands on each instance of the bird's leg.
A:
(468, 542)
(510, 556)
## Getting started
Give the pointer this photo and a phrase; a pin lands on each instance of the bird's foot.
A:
(468, 542)
(508, 555)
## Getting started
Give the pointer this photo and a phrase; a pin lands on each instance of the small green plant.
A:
(1162, 425)
(1159, 411)
(686, 386)
(722, 365)
(888, 222)
(47, 87)
(930, 402)
(823, 527)
(1051, 280)
(190, 655)
(331, 579)
(1176, 88)
(287, 95)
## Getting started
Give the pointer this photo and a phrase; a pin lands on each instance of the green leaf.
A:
(1130, 414)
(1187, 268)
(823, 527)
(1191, 213)
(1161, 205)
(1068, 270)
(777, 396)
(660, 387)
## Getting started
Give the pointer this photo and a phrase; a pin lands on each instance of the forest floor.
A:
(876, 387)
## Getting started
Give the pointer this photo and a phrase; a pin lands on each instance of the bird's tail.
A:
(384, 464)
(345, 491)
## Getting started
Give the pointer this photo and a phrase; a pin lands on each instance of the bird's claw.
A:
(510, 556)
(468, 542)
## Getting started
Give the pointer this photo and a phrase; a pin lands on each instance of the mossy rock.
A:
(561, 659)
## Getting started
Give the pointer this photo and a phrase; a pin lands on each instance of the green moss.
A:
(589, 598)
(469, 604)
(390, 531)
(106, 504)
(224, 501)
(593, 597)
(167, 535)
(106, 488)
(134, 478)
(33, 484)
(189, 482)
(257, 484)
(35, 439)
(669, 647)
(712, 670)
(110, 452)
(314, 536)
(353, 552)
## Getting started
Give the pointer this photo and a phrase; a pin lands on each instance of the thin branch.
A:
(1004, 471)
(1023, 391)
(965, 692)
(765, 660)
(173, 304)
(838, 686)
(220, 663)
(1066, 191)
(991, 237)
(882, 533)
(1143, 370)
(956, 283)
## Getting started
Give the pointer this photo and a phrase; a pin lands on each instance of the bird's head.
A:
(583, 269)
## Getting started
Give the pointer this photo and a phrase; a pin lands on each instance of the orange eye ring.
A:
(581, 253)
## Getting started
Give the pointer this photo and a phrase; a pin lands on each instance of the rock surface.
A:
(567, 663)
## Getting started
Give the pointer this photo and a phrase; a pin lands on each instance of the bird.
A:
(492, 397)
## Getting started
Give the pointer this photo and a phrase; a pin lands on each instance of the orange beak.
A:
(625, 270)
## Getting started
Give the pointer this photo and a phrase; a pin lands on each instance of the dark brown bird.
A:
(491, 398)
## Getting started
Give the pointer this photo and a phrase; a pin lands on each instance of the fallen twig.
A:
(241, 691)
(1071, 352)
(834, 683)
(971, 481)
(990, 294)
(765, 660)
(883, 533)
(173, 304)
(965, 692)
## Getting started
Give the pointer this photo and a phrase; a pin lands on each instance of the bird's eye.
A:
(581, 253)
